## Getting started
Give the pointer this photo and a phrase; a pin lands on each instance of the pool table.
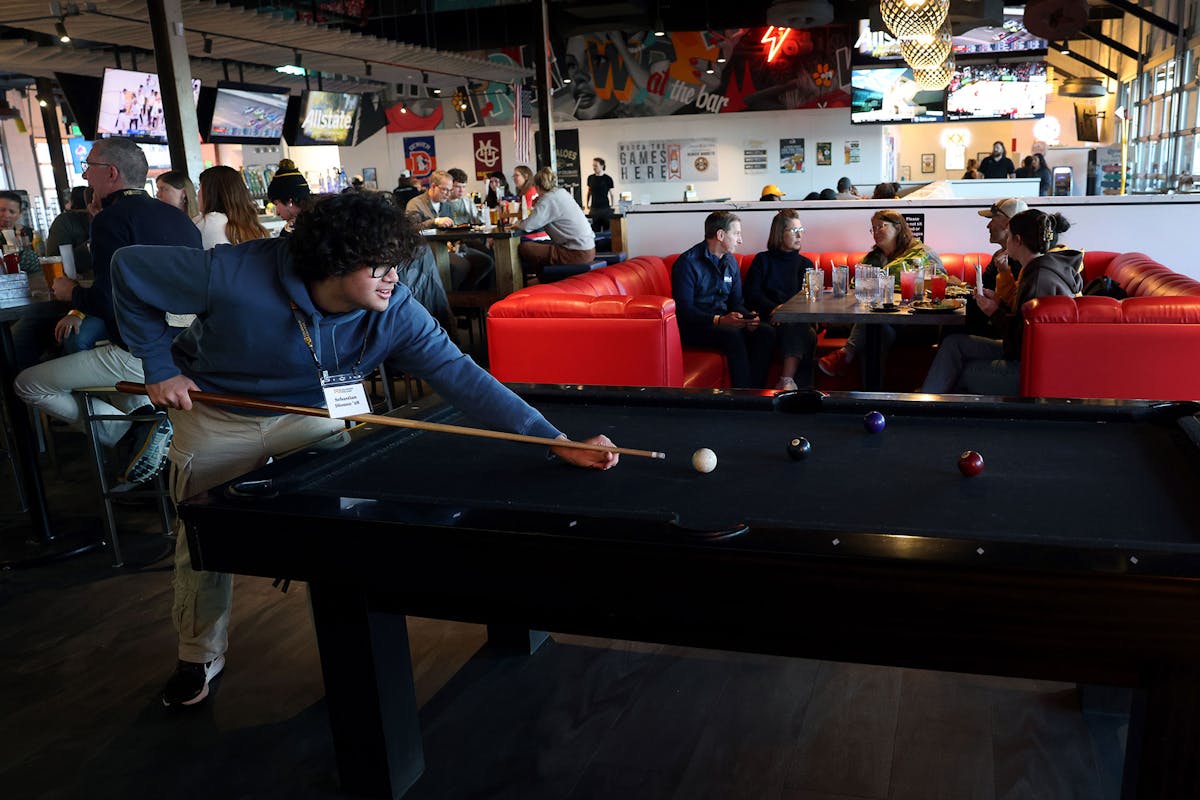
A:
(1075, 555)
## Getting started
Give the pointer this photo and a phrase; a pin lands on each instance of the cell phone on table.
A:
(979, 279)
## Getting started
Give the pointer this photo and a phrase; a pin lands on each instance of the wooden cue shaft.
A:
(236, 401)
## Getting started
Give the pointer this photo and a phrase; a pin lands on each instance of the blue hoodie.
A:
(246, 340)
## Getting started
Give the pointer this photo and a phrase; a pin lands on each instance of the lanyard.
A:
(321, 371)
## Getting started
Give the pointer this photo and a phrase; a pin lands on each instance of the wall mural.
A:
(618, 75)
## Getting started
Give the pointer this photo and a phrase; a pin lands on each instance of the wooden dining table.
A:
(848, 311)
(502, 243)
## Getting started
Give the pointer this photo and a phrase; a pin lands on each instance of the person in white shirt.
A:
(227, 212)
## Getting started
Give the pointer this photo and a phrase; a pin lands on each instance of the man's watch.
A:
(716, 319)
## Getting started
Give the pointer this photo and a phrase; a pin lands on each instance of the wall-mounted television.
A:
(890, 95)
(82, 93)
(326, 118)
(874, 46)
(246, 113)
(997, 91)
(131, 106)
(1089, 123)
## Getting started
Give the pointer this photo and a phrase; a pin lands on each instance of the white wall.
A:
(1146, 224)
(601, 137)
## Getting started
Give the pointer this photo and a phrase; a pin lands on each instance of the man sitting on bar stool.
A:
(116, 170)
(572, 240)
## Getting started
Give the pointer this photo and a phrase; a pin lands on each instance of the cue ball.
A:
(874, 422)
(704, 460)
(799, 448)
(970, 463)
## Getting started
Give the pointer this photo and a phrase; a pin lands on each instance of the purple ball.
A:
(874, 422)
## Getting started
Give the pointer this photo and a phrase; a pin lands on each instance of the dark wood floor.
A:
(84, 649)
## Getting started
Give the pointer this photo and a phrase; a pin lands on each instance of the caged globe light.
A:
(911, 18)
(936, 78)
(927, 51)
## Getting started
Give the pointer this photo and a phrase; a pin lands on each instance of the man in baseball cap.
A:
(772, 192)
(1000, 276)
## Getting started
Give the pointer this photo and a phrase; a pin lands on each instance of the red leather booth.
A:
(1146, 346)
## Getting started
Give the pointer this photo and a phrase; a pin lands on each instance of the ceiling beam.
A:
(1148, 16)
(1111, 43)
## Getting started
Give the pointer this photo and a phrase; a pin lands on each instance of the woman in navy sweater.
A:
(775, 276)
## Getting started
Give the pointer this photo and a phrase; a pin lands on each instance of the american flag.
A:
(522, 133)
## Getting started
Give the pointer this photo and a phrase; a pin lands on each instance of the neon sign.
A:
(776, 36)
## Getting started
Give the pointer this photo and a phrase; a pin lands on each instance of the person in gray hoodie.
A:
(982, 365)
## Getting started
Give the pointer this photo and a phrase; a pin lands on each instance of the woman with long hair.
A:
(775, 276)
(175, 188)
(983, 365)
(228, 214)
(1042, 172)
(896, 249)
(497, 189)
(523, 185)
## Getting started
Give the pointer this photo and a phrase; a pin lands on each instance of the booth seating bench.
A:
(616, 325)
(1145, 346)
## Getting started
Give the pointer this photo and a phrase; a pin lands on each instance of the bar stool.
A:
(156, 488)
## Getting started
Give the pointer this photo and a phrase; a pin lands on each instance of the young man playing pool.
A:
(284, 320)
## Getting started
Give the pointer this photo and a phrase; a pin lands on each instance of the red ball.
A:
(970, 463)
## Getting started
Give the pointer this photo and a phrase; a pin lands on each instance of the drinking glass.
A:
(886, 293)
(864, 284)
(937, 287)
(814, 283)
(841, 279)
(908, 285)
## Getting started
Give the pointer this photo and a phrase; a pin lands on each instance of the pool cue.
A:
(215, 398)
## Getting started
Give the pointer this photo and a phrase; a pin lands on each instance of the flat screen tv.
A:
(1089, 124)
(246, 113)
(327, 118)
(82, 93)
(997, 91)
(890, 95)
(131, 106)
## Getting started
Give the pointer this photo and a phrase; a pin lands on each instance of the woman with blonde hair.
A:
(228, 215)
(175, 188)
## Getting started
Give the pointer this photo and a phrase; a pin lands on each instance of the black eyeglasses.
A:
(89, 164)
(379, 272)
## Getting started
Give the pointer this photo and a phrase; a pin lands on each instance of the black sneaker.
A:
(189, 684)
(151, 455)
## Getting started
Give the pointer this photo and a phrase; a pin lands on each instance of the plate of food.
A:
(948, 306)
(964, 291)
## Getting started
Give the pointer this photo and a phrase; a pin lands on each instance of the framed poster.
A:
(824, 154)
(927, 162)
(370, 178)
(905, 172)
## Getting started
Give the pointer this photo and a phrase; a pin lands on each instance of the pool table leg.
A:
(369, 692)
(1162, 756)
(515, 639)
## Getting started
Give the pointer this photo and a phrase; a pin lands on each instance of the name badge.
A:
(344, 395)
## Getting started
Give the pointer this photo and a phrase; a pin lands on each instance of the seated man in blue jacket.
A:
(278, 319)
(707, 287)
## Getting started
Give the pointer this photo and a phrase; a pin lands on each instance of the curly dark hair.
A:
(346, 232)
